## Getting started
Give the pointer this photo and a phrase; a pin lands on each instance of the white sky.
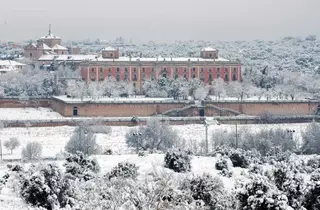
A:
(165, 20)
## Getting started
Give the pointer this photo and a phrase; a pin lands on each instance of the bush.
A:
(311, 139)
(267, 141)
(82, 141)
(142, 154)
(123, 170)
(108, 152)
(11, 144)
(79, 166)
(294, 188)
(260, 194)
(32, 151)
(211, 191)
(155, 135)
(246, 157)
(47, 188)
(239, 160)
(311, 200)
(315, 175)
(256, 169)
(267, 117)
(264, 141)
(280, 176)
(178, 161)
(135, 120)
(223, 164)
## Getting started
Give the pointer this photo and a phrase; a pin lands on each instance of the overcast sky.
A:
(160, 20)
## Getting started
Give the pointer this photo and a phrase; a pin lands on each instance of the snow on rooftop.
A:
(50, 36)
(113, 100)
(209, 49)
(10, 63)
(109, 49)
(124, 59)
(59, 47)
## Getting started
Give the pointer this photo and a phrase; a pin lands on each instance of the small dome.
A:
(109, 49)
(209, 49)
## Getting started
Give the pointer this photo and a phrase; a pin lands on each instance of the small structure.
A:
(46, 45)
(9, 65)
(209, 53)
(110, 52)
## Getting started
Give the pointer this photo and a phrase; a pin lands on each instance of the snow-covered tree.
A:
(311, 139)
(155, 135)
(32, 151)
(201, 93)
(194, 84)
(82, 141)
(11, 144)
(219, 88)
(179, 88)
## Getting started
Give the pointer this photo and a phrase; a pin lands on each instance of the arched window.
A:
(75, 111)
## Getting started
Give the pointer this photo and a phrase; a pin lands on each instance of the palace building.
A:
(208, 67)
(97, 67)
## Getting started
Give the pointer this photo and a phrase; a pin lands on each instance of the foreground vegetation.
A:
(265, 168)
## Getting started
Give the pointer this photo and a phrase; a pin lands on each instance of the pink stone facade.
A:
(206, 68)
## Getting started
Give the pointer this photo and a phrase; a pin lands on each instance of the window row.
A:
(176, 75)
(165, 69)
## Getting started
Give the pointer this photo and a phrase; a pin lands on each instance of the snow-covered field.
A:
(53, 139)
(147, 164)
(28, 114)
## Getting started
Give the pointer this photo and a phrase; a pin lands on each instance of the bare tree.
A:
(32, 151)
(219, 88)
(155, 135)
(11, 144)
(82, 140)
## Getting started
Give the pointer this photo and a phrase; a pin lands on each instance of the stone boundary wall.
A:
(151, 108)
(172, 121)
(23, 103)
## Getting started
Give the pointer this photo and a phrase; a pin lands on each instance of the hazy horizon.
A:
(163, 21)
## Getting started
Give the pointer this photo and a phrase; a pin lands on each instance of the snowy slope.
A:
(53, 139)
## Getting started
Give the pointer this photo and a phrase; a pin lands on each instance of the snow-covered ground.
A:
(106, 99)
(147, 164)
(28, 114)
(53, 139)
(256, 98)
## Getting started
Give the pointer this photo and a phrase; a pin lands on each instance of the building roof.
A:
(50, 36)
(209, 49)
(45, 46)
(10, 63)
(59, 47)
(109, 49)
(123, 59)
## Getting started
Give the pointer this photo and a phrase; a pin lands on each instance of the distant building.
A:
(9, 65)
(46, 45)
(208, 67)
